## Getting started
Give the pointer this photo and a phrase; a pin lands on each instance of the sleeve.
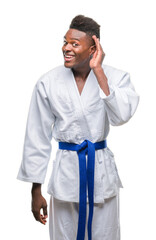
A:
(122, 102)
(38, 135)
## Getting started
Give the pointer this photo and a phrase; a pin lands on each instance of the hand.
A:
(98, 55)
(38, 203)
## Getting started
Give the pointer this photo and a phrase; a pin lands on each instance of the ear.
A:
(92, 49)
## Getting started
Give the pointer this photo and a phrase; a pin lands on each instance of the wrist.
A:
(98, 70)
(36, 189)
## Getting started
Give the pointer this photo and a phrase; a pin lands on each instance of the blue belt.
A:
(86, 177)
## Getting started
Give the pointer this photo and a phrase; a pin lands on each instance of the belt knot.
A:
(83, 147)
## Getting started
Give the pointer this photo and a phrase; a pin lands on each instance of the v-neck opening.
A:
(84, 87)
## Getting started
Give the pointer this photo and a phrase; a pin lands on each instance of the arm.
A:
(96, 65)
(37, 147)
(122, 102)
(119, 96)
(38, 135)
(38, 203)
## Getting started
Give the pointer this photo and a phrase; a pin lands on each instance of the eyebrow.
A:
(73, 38)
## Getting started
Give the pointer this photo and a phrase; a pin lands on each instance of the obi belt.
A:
(86, 174)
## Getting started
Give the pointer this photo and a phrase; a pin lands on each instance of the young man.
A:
(75, 104)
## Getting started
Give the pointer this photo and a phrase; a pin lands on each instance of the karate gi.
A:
(58, 110)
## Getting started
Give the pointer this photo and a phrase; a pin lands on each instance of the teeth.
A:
(68, 56)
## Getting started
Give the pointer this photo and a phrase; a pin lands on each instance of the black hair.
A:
(86, 24)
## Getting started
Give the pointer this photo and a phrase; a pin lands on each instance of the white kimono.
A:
(58, 110)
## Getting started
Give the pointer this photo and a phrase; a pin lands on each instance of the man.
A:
(75, 104)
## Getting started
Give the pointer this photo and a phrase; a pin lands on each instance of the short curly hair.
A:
(86, 24)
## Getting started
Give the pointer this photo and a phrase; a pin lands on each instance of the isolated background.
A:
(31, 39)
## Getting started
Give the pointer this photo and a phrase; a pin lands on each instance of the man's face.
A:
(77, 49)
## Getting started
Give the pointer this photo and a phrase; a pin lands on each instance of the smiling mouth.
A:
(68, 57)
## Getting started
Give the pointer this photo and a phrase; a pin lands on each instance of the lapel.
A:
(89, 91)
(88, 96)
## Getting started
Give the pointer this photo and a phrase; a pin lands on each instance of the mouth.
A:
(68, 57)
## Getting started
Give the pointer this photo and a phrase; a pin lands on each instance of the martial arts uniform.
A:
(58, 110)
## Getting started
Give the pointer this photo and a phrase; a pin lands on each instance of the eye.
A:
(64, 42)
(75, 44)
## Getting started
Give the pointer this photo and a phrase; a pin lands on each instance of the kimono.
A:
(58, 110)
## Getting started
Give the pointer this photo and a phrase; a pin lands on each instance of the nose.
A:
(67, 47)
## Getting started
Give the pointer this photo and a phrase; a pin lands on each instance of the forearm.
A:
(102, 80)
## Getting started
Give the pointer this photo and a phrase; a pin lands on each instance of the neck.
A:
(81, 73)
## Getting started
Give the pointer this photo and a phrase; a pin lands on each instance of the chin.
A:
(68, 65)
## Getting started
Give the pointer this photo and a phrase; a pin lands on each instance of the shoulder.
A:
(53, 73)
(51, 76)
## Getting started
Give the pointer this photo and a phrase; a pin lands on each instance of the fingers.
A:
(94, 38)
(45, 211)
(97, 42)
(44, 216)
(98, 45)
(38, 203)
(98, 56)
(43, 219)
(39, 217)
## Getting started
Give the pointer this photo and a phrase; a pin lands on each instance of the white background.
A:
(31, 38)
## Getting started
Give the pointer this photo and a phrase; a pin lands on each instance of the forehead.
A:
(76, 35)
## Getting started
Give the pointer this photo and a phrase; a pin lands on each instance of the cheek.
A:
(82, 54)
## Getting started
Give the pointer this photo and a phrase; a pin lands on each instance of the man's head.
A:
(78, 43)
(87, 25)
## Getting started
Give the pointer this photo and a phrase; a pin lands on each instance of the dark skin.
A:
(38, 203)
(80, 47)
(81, 53)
